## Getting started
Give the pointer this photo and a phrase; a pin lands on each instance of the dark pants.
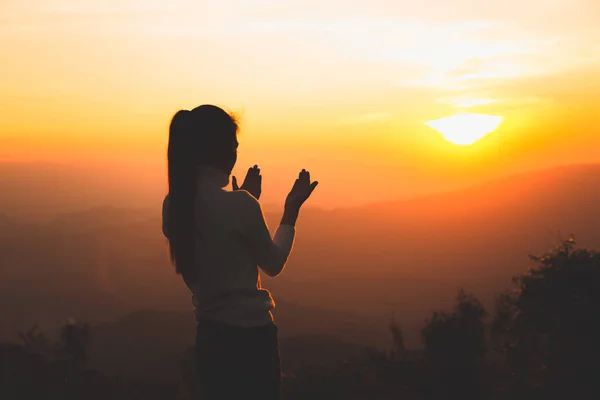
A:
(237, 363)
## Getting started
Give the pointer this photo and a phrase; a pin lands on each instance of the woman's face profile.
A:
(233, 157)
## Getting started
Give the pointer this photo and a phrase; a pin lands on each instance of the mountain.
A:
(40, 191)
(361, 264)
(467, 237)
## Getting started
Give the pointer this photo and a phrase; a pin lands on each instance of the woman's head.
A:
(204, 136)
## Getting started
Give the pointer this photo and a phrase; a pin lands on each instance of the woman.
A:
(218, 239)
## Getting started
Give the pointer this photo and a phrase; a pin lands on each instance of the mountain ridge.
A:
(408, 258)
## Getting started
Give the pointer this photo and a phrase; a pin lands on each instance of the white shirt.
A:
(232, 242)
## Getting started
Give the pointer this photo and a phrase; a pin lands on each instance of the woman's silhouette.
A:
(218, 239)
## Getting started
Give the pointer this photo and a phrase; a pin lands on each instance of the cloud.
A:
(449, 47)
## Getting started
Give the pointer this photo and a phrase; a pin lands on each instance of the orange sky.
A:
(342, 90)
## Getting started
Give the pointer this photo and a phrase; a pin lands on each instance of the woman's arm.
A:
(290, 216)
(271, 253)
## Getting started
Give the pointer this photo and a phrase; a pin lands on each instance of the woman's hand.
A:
(301, 191)
(252, 183)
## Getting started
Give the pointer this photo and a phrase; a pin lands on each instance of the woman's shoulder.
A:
(243, 199)
(242, 206)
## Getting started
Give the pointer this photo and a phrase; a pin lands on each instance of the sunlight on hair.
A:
(465, 128)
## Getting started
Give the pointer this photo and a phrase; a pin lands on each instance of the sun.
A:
(464, 129)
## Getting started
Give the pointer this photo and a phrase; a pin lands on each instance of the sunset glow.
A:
(326, 86)
(286, 199)
(465, 129)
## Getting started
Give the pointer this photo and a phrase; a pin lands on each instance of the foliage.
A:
(399, 349)
(39, 369)
(458, 336)
(549, 325)
(369, 376)
(36, 342)
(455, 348)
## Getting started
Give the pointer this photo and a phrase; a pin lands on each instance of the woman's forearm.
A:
(290, 216)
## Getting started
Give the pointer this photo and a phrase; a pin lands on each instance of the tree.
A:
(399, 349)
(71, 358)
(455, 349)
(36, 342)
(549, 325)
(73, 347)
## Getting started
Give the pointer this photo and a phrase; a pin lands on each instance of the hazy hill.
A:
(404, 257)
(40, 191)
(476, 236)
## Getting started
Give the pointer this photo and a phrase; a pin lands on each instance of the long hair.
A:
(205, 135)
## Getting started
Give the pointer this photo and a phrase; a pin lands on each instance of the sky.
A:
(341, 89)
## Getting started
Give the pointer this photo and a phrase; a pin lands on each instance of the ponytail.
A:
(182, 192)
(204, 136)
